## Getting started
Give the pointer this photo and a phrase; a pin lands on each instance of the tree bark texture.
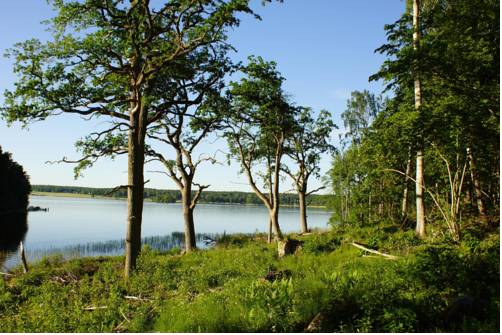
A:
(420, 227)
(135, 187)
(190, 242)
(276, 229)
(303, 211)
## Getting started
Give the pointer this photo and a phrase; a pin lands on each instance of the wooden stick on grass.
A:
(357, 245)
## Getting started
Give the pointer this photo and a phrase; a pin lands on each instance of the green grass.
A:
(224, 290)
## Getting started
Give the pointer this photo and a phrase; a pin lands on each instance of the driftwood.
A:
(130, 297)
(357, 245)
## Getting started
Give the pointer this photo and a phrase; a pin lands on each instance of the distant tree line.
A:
(171, 196)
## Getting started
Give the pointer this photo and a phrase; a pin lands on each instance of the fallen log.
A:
(362, 247)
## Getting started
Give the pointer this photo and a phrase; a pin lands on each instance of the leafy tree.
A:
(197, 113)
(103, 61)
(260, 122)
(457, 67)
(362, 108)
(14, 185)
(306, 145)
(14, 191)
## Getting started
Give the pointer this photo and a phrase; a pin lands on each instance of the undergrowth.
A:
(328, 286)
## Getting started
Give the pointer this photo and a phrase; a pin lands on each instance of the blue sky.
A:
(324, 49)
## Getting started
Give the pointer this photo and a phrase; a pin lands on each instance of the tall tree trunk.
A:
(274, 214)
(303, 209)
(135, 189)
(186, 200)
(475, 181)
(420, 228)
(404, 204)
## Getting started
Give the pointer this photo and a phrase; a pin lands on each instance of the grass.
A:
(433, 286)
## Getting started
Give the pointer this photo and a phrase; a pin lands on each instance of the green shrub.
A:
(320, 243)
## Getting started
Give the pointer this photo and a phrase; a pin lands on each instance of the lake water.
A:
(80, 221)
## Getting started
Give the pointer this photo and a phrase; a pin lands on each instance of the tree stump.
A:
(288, 247)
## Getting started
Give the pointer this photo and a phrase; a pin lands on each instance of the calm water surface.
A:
(78, 221)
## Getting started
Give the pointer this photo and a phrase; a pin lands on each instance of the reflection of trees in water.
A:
(13, 228)
(116, 247)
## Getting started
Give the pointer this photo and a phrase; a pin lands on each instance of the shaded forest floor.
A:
(241, 285)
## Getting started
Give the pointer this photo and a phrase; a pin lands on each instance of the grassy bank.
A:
(241, 285)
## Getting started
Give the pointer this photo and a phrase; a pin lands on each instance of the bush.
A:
(320, 243)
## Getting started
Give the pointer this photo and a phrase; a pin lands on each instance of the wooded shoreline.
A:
(173, 196)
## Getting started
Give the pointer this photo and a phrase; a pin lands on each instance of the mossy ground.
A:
(434, 286)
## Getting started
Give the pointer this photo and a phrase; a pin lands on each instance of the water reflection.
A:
(117, 247)
(13, 229)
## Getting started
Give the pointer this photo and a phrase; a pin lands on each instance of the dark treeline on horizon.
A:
(171, 196)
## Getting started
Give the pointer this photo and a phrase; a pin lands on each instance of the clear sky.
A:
(324, 49)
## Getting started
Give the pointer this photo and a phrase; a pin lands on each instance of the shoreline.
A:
(89, 196)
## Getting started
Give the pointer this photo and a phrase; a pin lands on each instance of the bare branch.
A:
(316, 190)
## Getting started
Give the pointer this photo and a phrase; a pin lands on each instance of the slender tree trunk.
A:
(468, 195)
(269, 237)
(274, 219)
(380, 204)
(23, 257)
(369, 207)
(186, 200)
(476, 183)
(404, 204)
(420, 228)
(135, 189)
(303, 210)
(274, 215)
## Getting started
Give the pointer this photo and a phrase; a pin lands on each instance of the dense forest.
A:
(170, 196)
(434, 137)
(414, 183)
